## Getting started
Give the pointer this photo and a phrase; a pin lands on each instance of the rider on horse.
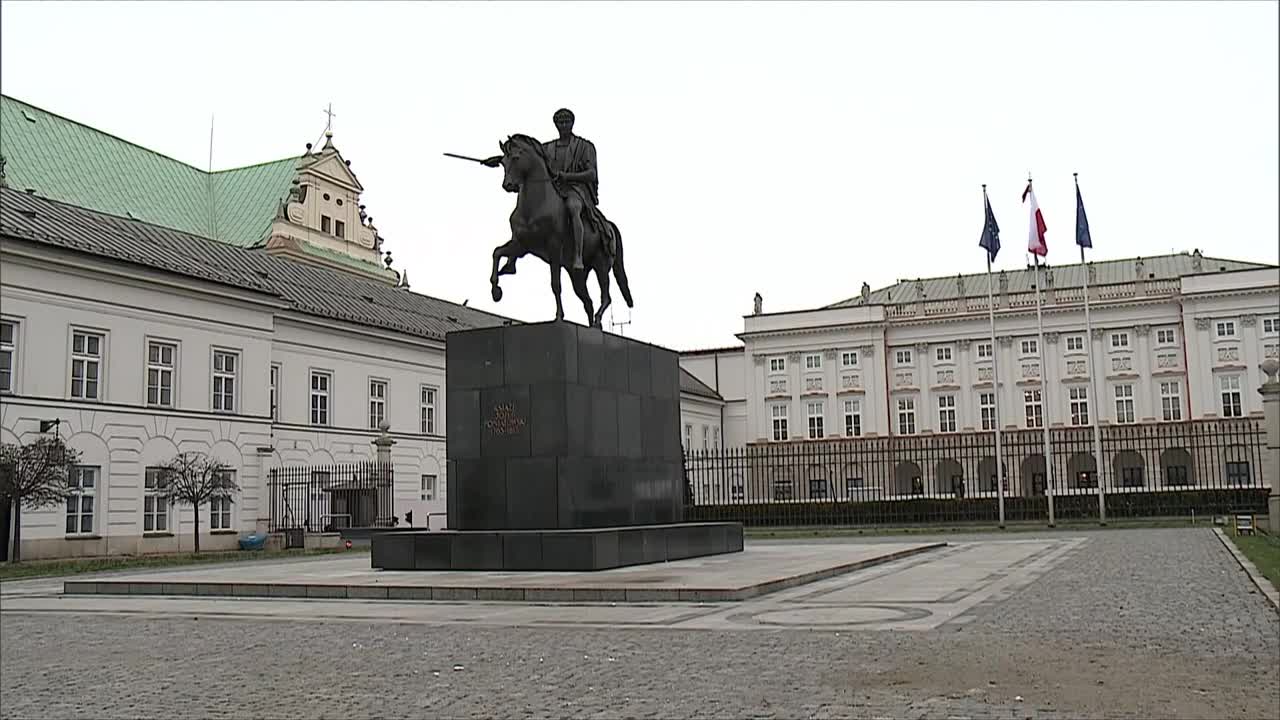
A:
(573, 167)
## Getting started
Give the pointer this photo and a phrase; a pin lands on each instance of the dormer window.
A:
(326, 196)
(324, 221)
(339, 228)
(339, 202)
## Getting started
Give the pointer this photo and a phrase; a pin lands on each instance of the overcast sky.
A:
(794, 150)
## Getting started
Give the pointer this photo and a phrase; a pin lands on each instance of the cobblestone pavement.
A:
(1128, 624)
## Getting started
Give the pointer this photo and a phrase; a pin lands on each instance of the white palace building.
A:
(1176, 339)
(148, 307)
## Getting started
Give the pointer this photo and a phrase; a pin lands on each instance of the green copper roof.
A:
(64, 160)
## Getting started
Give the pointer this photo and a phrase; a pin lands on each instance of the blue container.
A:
(253, 542)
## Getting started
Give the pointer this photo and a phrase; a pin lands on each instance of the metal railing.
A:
(1150, 470)
(328, 498)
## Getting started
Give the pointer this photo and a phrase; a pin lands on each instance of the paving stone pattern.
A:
(1130, 625)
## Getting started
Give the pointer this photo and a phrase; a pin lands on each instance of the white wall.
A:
(47, 293)
(1191, 361)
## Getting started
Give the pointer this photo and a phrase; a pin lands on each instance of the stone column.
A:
(1270, 392)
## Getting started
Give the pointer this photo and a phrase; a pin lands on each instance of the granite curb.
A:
(1268, 590)
(455, 593)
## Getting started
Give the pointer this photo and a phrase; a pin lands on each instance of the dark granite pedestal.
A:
(563, 454)
(581, 549)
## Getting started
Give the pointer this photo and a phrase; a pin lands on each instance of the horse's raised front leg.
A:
(602, 273)
(506, 250)
(579, 280)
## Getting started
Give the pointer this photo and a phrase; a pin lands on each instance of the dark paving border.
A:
(618, 593)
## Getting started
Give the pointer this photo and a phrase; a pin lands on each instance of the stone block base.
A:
(556, 550)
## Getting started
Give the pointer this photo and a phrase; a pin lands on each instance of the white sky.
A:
(791, 149)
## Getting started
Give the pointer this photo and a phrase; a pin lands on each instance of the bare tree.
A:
(194, 478)
(34, 475)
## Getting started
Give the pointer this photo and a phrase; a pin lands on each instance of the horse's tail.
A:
(619, 270)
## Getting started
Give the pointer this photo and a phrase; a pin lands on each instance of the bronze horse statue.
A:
(540, 227)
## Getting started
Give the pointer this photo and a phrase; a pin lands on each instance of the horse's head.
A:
(521, 154)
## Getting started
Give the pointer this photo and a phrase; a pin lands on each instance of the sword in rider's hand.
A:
(474, 160)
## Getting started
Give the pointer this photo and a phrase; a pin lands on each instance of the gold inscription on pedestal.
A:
(505, 421)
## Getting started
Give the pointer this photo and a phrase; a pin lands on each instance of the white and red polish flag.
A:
(1035, 237)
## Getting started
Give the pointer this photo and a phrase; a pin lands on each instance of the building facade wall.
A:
(125, 427)
(916, 374)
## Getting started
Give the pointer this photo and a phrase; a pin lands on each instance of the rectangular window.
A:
(225, 367)
(8, 354)
(1171, 400)
(1033, 402)
(706, 437)
(813, 362)
(1165, 337)
(427, 410)
(1119, 340)
(275, 393)
(849, 358)
(220, 508)
(688, 437)
(818, 488)
(852, 418)
(987, 408)
(428, 488)
(779, 416)
(906, 416)
(715, 437)
(1238, 473)
(984, 351)
(1270, 325)
(82, 482)
(1030, 347)
(1232, 405)
(220, 513)
(1124, 403)
(902, 357)
(377, 403)
(943, 354)
(1078, 395)
(777, 365)
(320, 383)
(815, 421)
(340, 229)
(946, 413)
(155, 507)
(161, 364)
(324, 223)
(1075, 343)
(1226, 328)
(86, 365)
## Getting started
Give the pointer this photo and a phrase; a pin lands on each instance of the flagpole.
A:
(1093, 376)
(1044, 394)
(1044, 383)
(995, 384)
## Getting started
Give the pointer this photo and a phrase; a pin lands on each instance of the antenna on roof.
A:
(213, 226)
(621, 323)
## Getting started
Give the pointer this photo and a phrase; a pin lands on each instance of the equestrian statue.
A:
(557, 216)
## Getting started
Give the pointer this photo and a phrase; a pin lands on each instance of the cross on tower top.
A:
(328, 123)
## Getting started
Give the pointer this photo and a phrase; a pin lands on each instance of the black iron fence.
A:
(1150, 470)
(328, 498)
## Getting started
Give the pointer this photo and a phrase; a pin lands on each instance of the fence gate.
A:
(328, 498)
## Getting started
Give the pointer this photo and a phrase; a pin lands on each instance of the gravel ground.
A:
(1137, 624)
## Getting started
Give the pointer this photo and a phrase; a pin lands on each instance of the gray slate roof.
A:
(1159, 267)
(692, 385)
(308, 289)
